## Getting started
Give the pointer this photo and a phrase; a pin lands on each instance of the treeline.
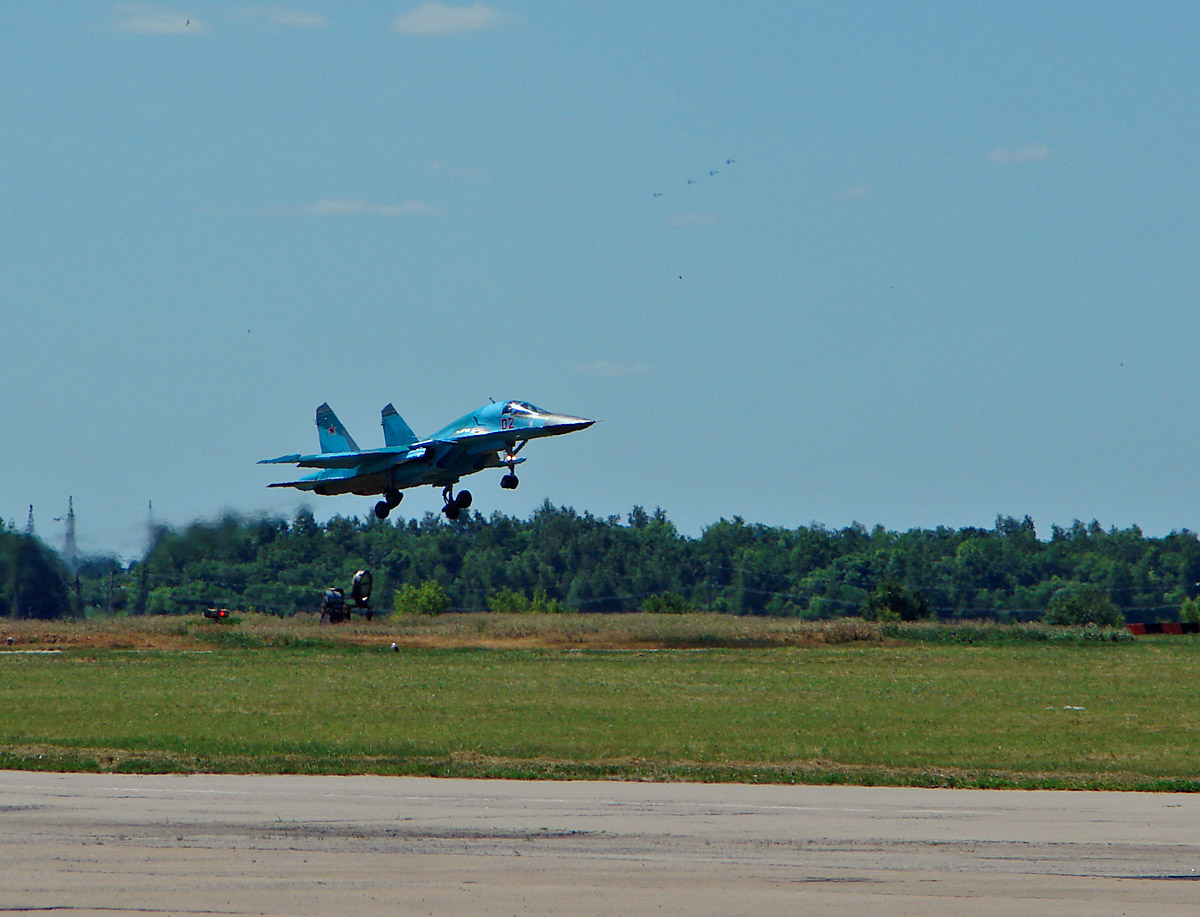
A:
(587, 563)
(33, 581)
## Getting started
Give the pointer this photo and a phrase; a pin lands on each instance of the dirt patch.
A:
(116, 633)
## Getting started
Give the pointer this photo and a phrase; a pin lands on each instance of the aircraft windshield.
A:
(521, 407)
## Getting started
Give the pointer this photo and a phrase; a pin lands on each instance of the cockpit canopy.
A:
(521, 408)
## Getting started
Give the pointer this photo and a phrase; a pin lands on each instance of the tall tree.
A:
(33, 580)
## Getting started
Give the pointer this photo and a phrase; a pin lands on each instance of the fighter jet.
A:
(489, 437)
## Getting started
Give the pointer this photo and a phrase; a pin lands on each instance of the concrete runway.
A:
(104, 844)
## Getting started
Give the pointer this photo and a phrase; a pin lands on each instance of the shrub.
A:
(1190, 611)
(820, 607)
(508, 601)
(427, 599)
(1079, 605)
(543, 604)
(667, 603)
(893, 601)
(512, 602)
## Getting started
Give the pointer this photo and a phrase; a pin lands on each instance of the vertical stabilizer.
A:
(395, 431)
(334, 437)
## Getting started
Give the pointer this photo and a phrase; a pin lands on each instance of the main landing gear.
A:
(391, 499)
(455, 505)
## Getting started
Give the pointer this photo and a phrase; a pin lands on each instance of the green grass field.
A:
(1094, 715)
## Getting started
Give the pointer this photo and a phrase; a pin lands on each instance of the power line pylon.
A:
(70, 553)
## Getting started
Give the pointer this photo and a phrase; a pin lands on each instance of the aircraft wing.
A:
(490, 440)
(347, 459)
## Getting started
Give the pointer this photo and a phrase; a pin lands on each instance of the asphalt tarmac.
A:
(103, 844)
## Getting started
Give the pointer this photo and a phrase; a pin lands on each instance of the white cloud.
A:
(279, 16)
(148, 19)
(610, 368)
(1027, 153)
(349, 206)
(432, 18)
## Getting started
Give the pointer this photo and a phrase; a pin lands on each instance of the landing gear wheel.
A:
(392, 498)
(463, 500)
(382, 510)
(509, 481)
(452, 511)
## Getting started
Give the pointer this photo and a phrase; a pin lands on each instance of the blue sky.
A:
(950, 272)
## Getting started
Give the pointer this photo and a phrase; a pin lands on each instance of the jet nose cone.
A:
(565, 423)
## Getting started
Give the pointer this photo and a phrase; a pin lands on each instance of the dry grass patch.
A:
(476, 630)
(160, 633)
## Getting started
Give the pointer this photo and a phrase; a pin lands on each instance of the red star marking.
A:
(332, 430)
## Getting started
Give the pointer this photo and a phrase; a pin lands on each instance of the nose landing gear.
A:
(510, 481)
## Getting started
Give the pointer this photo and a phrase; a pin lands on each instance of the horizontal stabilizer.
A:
(333, 460)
